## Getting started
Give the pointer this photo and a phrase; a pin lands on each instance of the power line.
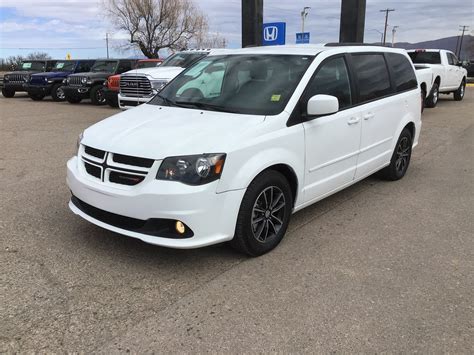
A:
(386, 22)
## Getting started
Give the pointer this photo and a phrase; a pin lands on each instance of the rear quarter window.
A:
(402, 70)
(372, 76)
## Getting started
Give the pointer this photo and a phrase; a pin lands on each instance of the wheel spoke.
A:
(277, 199)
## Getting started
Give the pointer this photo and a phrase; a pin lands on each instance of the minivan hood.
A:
(157, 132)
(167, 73)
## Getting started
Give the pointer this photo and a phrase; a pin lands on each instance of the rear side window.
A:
(421, 57)
(332, 78)
(403, 73)
(372, 74)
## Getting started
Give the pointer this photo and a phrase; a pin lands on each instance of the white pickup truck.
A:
(439, 72)
(140, 85)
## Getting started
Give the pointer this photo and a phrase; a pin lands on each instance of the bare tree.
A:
(15, 60)
(157, 24)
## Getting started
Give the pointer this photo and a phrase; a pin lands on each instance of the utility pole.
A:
(304, 14)
(107, 44)
(386, 23)
(463, 28)
(394, 30)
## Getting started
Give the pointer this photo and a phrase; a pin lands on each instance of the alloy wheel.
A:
(60, 94)
(403, 155)
(268, 214)
(100, 96)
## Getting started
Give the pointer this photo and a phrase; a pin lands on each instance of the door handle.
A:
(353, 120)
(369, 116)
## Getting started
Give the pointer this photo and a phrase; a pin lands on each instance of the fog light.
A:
(180, 228)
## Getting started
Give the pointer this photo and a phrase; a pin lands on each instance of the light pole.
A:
(304, 14)
(394, 30)
(379, 32)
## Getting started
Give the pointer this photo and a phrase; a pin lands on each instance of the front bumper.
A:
(126, 102)
(37, 89)
(211, 216)
(76, 91)
(14, 86)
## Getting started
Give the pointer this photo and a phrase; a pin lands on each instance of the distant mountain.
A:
(448, 43)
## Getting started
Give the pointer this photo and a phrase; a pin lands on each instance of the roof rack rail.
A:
(345, 44)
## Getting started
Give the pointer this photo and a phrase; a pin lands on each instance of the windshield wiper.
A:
(205, 106)
(169, 102)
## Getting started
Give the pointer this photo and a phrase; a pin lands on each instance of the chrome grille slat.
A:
(135, 86)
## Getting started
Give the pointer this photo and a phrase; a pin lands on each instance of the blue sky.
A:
(78, 27)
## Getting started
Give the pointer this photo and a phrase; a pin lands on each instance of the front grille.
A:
(129, 160)
(118, 177)
(75, 80)
(129, 103)
(158, 227)
(94, 152)
(93, 170)
(37, 80)
(17, 78)
(135, 86)
(115, 168)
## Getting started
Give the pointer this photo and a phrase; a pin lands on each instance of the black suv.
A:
(44, 84)
(16, 80)
(91, 84)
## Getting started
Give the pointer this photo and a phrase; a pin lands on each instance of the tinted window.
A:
(372, 74)
(421, 57)
(123, 67)
(403, 73)
(32, 66)
(332, 78)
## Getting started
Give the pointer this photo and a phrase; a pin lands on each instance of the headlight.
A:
(84, 80)
(68, 80)
(192, 169)
(79, 140)
(159, 84)
(26, 78)
(6, 78)
(65, 81)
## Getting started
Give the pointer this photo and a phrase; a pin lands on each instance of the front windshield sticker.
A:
(26, 65)
(276, 98)
(60, 65)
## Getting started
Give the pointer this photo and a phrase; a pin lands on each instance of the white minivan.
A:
(238, 142)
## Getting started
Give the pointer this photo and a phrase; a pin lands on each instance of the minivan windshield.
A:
(183, 60)
(422, 57)
(249, 84)
(32, 66)
(64, 65)
(107, 66)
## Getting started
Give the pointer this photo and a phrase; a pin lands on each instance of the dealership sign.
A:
(274, 33)
(302, 37)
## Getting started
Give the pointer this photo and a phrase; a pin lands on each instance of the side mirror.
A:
(322, 105)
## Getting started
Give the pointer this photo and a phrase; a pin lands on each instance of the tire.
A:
(9, 93)
(400, 158)
(267, 203)
(97, 95)
(36, 97)
(73, 99)
(423, 99)
(57, 93)
(459, 93)
(432, 100)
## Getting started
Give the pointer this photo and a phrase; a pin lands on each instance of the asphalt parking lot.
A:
(379, 267)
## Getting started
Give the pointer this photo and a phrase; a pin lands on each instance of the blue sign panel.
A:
(274, 33)
(302, 37)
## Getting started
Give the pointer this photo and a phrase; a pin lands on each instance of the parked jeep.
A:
(45, 84)
(91, 85)
(111, 90)
(16, 80)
